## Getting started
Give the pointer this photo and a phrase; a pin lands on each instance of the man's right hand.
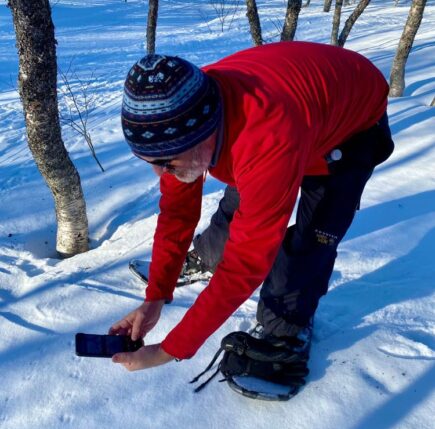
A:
(140, 321)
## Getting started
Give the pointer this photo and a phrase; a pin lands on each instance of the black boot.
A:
(194, 270)
(300, 343)
(194, 265)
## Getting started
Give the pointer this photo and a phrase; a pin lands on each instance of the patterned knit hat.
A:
(169, 106)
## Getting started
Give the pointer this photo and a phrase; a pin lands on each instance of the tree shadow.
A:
(51, 338)
(415, 155)
(387, 214)
(4, 271)
(342, 312)
(418, 118)
(393, 163)
(140, 208)
(390, 413)
(79, 280)
(24, 323)
(413, 87)
(143, 207)
(6, 296)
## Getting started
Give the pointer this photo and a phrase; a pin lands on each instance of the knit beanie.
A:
(169, 106)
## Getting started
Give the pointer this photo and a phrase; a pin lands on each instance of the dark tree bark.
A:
(254, 22)
(351, 21)
(37, 82)
(153, 10)
(397, 76)
(291, 20)
(336, 22)
(307, 3)
(327, 5)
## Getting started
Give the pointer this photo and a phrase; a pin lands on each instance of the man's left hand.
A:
(145, 357)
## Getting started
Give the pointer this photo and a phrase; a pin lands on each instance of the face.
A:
(189, 165)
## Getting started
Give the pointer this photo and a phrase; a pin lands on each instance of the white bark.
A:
(397, 75)
(38, 91)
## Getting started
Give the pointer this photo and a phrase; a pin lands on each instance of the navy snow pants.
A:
(300, 275)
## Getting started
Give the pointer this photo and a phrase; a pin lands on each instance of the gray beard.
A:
(201, 158)
(190, 176)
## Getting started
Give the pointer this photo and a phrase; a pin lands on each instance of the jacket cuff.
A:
(170, 349)
(156, 295)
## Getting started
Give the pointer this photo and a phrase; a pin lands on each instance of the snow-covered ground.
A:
(373, 357)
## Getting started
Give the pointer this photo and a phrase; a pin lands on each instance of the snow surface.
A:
(373, 357)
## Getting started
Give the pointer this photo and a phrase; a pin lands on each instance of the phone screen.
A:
(98, 345)
(104, 345)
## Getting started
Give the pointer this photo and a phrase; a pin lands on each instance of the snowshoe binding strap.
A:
(247, 356)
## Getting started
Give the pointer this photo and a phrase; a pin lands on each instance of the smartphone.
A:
(105, 346)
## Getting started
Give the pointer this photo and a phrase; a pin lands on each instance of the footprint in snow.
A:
(75, 375)
(66, 418)
(30, 371)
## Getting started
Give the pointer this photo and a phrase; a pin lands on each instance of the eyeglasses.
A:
(162, 163)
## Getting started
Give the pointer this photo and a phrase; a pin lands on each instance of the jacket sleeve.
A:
(268, 184)
(180, 210)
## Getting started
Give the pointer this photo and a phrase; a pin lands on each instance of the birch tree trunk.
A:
(37, 81)
(351, 21)
(336, 22)
(153, 10)
(291, 20)
(254, 22)
(397, 75)
(327, 5)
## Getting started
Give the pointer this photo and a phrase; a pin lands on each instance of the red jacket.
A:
(286, 105)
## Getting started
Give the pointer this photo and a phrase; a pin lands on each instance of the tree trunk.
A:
(433, 103)
(37, 82)
(153, 9)
(307, 3)
(291, 20)
(336, 22)
(254, 22)
(397, 76)
(327, 5)
(351, 21)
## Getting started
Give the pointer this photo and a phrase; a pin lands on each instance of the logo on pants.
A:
(325, 238)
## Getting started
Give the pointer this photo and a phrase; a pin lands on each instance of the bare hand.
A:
(145, 357)
(140, 321)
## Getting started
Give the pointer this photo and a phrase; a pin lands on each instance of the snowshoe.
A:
(193, 270)
(257, 388)
(271, 369)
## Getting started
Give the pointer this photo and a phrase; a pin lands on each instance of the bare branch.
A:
(79, 105)
(223, 9)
